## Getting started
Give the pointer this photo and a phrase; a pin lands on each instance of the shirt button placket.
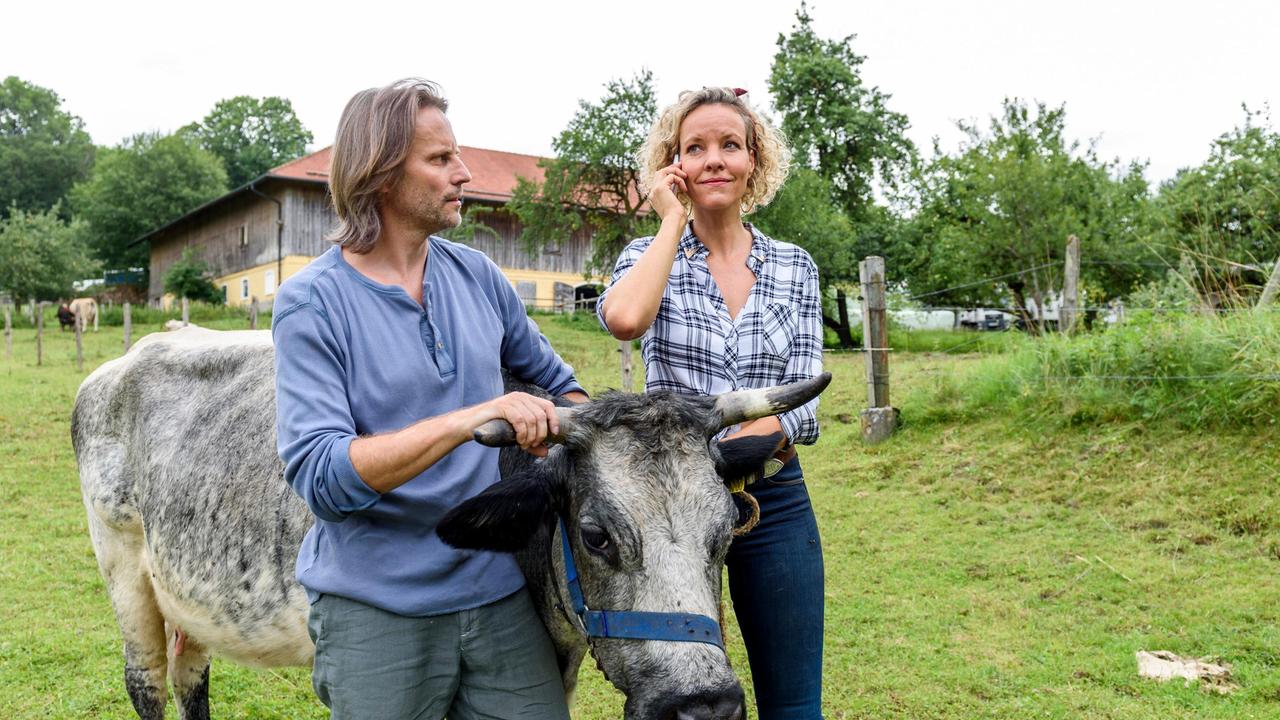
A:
(428, 338)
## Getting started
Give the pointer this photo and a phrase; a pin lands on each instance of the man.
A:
(389, 349)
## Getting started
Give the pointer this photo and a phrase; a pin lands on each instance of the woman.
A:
(722, 307)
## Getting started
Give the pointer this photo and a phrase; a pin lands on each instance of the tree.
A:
(837, 125)
(189, 277)
(802, 212)
(594, 178)
(472, 225)
(1225, 214)
(251, 135)
(1004, 205)
(44, 150)
(846, 140)
(41, 255)
(147, 181)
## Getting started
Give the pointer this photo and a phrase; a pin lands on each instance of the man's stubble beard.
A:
(437, 217)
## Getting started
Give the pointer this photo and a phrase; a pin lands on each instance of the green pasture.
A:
(979, 564)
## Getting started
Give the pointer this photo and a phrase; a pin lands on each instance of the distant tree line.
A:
(69, 209)
(1001, 205)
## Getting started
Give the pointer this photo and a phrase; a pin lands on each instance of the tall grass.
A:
(1192, 370)
(953, 342)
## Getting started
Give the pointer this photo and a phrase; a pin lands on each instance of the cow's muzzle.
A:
(727, 703)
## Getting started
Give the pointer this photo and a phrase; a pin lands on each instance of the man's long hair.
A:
(374, 137)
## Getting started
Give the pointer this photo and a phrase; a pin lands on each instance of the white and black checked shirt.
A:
(693, 347)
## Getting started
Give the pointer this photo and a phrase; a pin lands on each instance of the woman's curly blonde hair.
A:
(766, 143)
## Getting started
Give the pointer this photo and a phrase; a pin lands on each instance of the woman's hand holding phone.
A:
(669, 182)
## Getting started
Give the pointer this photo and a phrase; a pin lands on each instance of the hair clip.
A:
(739, 92)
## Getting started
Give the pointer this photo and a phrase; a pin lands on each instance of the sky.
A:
(1150, 81)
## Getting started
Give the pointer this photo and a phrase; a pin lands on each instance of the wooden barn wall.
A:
(508, 251)
(215, 235)
(308, 218)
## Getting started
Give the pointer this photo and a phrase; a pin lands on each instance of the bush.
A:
(1193, 370)
(190, 278)
(954, 341)
(198, 312)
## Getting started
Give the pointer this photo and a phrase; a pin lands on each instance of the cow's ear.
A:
(744, 456)
(504, 516)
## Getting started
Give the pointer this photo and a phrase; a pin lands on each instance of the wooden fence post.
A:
(8, 332)
(40, 334)
(1070, 287)
(80, 349)
(186, 311)
(128, 326)
(1273, 286)
(879, 419)
(253, 313)
(624, 347)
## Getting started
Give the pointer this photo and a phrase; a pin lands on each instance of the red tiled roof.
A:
(313, 167)
(493, 172)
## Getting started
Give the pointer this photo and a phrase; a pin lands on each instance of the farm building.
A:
(261, 233)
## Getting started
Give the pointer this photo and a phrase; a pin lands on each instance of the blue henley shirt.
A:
(355, 357)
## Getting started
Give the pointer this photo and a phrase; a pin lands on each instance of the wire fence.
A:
(972, 319)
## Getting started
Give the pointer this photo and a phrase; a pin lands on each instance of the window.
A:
(244, 288)
(269, 282)
(244, 236)
(224, 294)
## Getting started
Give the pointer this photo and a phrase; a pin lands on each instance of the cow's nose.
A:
(726, 707)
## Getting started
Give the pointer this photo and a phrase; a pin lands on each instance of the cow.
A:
(66, 318)
(86, 311)
(196, 532)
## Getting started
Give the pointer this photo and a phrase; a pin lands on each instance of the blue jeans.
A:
(775, 580)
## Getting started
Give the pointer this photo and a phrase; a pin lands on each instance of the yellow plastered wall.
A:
(240, 293)
(545, 280)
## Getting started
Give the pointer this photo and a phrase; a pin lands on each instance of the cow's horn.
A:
(499, 433)
(744, 405)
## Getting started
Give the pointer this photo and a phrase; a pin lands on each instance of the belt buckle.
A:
(772, 466)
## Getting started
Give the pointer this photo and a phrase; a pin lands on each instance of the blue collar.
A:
(635, 625)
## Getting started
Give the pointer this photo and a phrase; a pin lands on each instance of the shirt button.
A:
(440, 345)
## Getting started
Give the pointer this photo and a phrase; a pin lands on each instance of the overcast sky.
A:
(1154, 81)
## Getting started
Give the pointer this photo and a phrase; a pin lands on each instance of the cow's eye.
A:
(596, 539)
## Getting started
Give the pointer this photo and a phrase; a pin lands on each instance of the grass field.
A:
(976, 568)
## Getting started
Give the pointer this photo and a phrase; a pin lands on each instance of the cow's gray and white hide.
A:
(195, 529)
(192, 523)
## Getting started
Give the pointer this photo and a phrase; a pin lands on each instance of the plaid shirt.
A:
(693, 346)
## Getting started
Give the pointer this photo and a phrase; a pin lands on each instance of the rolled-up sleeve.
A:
(526, 352)
(314, 425)
(801, 424)
(629, 257)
